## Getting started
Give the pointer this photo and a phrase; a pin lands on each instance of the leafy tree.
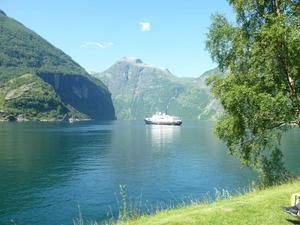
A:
(260, 94)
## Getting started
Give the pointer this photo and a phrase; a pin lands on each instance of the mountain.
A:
(139, 90)
(40, 82)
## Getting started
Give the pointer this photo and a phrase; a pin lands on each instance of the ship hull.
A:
(175, 123)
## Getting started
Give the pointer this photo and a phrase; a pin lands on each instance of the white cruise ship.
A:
(163, 119)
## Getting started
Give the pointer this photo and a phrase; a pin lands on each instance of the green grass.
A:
(257, 207)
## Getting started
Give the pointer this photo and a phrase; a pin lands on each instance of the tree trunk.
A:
(277, 8)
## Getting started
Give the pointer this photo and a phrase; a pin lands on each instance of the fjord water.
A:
(50, 170)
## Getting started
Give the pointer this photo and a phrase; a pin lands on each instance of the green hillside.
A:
(139, 90)
(40, 82)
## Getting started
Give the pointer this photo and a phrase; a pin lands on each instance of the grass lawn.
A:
(257, 207)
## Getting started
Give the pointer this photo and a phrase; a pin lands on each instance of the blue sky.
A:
(96, 33)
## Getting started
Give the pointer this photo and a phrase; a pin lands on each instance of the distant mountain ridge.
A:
(3, 13)
(139, 90)
(40, 82)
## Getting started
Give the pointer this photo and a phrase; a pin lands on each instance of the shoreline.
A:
(42, 120)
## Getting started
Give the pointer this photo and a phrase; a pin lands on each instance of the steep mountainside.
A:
(40, 82)
(139, 90)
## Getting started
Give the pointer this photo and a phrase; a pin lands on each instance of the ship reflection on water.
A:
(162, 135)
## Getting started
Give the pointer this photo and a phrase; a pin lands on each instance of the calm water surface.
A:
(48, 170)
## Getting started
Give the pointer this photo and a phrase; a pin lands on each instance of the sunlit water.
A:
(50, 170)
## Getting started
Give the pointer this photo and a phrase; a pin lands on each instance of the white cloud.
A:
(97, 44)
(145, 26)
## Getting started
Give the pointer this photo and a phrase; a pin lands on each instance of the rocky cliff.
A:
(82, 94)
